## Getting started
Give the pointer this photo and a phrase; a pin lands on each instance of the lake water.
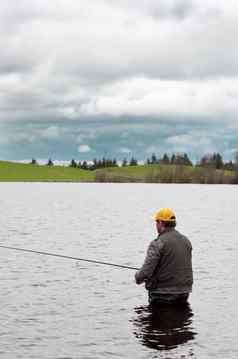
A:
(60, 308)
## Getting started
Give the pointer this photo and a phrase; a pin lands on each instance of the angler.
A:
(167, 269)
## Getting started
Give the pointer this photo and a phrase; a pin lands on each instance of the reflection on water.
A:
(164, 328)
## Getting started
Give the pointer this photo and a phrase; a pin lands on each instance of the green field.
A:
(19, 172)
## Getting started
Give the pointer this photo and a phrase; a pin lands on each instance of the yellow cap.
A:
(165, 214)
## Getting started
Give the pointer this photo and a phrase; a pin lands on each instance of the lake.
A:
(60, 308)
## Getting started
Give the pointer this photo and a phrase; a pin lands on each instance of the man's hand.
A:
(138, 278)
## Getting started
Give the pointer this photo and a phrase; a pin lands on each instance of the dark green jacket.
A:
(168, 264)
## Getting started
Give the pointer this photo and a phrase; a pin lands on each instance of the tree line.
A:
(213, 161)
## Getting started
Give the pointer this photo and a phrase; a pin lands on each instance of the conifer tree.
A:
(124, 162)
(187, 161)
(73, 163)
(153, 159)
(218, 161)
(33, 161)
(165, 160)
(114, 163)
(50, 162)
(236, 161)
(133, 162)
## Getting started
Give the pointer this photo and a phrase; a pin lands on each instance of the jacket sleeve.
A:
(150, 262)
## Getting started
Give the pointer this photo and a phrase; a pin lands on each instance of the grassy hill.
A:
(19, 172)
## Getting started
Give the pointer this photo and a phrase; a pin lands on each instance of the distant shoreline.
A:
(21, 172)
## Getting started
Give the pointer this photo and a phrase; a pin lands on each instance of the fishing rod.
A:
(67, 257)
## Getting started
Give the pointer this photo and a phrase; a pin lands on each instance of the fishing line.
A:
(67, 257)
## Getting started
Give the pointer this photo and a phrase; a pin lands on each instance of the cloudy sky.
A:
(118, 78)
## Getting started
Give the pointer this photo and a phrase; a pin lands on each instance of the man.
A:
(167, 269)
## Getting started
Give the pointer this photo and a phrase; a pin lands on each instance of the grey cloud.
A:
(176, 9)
(15, 14)
(92, 52)
(13, 66)
(82, 59)
(182, 8)
(158, 9)
(16, 58)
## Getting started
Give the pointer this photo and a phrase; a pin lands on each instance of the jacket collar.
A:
(168, 229)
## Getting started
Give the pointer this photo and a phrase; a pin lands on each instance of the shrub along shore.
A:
(149, 173)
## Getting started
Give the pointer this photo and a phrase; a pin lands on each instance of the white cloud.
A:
(84, 136)
(194, 141)
(51, 132)
(180, 140)
(21, 138)
(125, 150)
(84, 149)
(124, 135)
(152, 149)
(141, 97)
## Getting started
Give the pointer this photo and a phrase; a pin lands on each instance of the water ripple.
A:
(61, 309)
